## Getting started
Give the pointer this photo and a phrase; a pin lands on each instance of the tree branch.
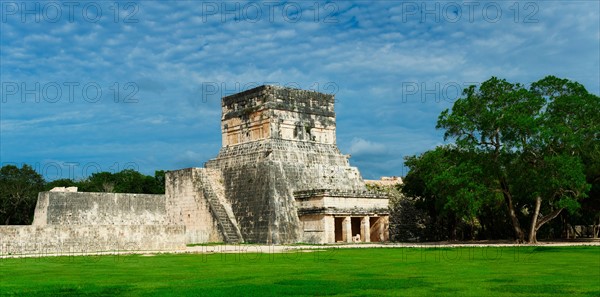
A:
(548, 217)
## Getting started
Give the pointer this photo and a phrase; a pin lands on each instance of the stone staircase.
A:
(214, 192)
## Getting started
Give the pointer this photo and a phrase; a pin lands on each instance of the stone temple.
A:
(278, 178)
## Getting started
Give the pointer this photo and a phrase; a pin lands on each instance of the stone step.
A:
(218, 210)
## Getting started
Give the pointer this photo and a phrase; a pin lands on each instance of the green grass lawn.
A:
(519, 271)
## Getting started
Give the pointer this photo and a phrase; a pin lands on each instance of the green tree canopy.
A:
(19, 188)
(452, 185)
(126, 181)
(534, 142)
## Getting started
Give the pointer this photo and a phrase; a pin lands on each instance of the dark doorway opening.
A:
(339, 235)
(356, 227)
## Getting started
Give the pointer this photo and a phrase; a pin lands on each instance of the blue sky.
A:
(161, 68)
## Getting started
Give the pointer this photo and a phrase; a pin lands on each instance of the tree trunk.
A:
(7, 220)
(536, 213)
(472, 229)
(575, 233)
(454, 231)
(595, 228)
(519, 236)
(545, 219)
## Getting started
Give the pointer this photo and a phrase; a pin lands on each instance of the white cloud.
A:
(360, 146)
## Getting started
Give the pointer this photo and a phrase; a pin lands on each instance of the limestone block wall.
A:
(279, 113)
(261, 196)
(277, 149)
(291, 125)
(80, 222)
(341, 202)
(187, 206)
(313, 165)
(318, 228)
(263, 210)
(77, 239)
(83, 208)
(254, 126)
(214, 191)
(261, 176)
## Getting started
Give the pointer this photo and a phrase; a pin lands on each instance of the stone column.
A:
(347, 230)
(329, 228)
(365, 230)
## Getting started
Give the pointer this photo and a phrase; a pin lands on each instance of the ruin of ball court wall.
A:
(79, 223)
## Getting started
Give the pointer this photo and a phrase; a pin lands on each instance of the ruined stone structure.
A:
(278, 178)
(74, 222)
(385, 181)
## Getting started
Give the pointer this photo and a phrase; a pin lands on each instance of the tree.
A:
(159, 182)
(451, 185)
(99, 182)
(574, 116)
(19, 188)
(440, 224)
(126, 181)
(529, 142)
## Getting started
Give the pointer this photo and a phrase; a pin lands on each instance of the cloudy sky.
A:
(90, 86)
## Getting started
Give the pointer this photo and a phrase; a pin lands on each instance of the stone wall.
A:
(80, 222)
(187, 206)
(385, 181)
(306, 165)
(60, 239)
(278, 113)
(264, 213)
(68, 208)
(318, 229)
(339, 202)
(260, 190)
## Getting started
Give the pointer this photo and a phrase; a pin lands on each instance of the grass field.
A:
(477, 271)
